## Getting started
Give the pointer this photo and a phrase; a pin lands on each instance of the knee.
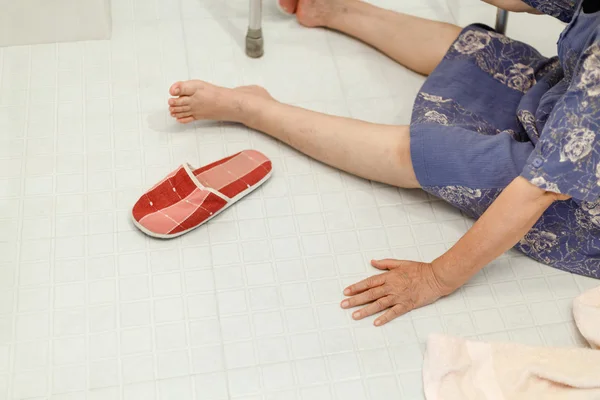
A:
(406, 176)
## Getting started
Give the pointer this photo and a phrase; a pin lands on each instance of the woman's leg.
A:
(372, 151)
(416, 43)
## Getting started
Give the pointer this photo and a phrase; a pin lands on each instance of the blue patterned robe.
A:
(495, 109)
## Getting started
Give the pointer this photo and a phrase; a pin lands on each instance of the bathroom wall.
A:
(44, 21)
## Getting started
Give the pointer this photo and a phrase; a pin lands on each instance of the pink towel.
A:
(458, 369)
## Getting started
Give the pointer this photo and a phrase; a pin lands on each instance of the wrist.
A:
(447, 278)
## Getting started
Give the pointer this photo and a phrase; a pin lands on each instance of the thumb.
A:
(387, 264)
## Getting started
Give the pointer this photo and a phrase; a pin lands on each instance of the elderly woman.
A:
(506, 135)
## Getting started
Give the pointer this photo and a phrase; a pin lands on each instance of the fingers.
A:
(387, 264)
(405, 287)
(365, 297)
(371, 282)
(393, 313)
(379, 305)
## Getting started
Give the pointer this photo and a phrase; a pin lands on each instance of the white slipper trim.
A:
(194, 179)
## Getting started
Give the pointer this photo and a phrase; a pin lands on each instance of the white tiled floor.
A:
(247, 306)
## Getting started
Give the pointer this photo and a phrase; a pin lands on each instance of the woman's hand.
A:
(406, 286)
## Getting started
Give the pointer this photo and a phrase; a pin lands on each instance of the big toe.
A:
(186, 88)
(175, 89)
(289, 6)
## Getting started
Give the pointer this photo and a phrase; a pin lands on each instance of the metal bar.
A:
(501, 21)
(254, 39)
(255, 14)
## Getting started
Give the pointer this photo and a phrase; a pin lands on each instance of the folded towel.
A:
(456, 368)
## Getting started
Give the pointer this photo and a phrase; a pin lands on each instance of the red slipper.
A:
(187, 198)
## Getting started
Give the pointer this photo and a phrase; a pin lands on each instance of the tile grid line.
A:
(150, 275)
(214, 291)
(11, 355)
(353, 334)
(114, 190)
(19, 242)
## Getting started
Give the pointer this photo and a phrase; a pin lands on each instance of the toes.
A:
(180, 109)
(188, 88)
(289, 6)
(185, 120)
(180, 102)
(181, 115)
(175, 89)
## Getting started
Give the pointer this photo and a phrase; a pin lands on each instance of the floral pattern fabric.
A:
(509, 111)
(491, 51)
(567, 156)
(561, 9)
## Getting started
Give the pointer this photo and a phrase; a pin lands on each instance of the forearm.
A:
(502, 226)
(513, 5)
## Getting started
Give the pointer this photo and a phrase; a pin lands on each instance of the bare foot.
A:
(198, 100)
(311, 13)
(289, 6)
(254, 90)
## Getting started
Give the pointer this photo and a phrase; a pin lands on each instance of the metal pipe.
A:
(255, 14)
(501, 21)
(255, 46)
